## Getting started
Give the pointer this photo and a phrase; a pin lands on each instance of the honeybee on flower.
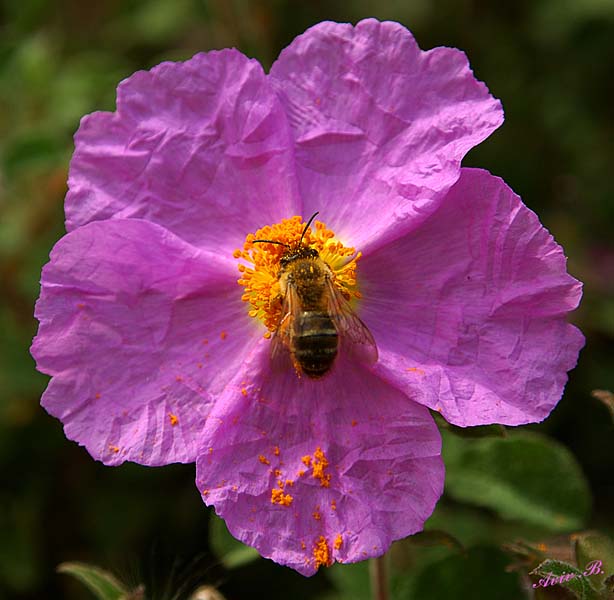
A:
(316, 316)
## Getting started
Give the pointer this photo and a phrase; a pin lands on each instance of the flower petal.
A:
(314, 471)
(140, 331)
(380, 125)
(470, 316)
(201, 147)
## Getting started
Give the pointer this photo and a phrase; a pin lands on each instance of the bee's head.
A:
(296, 251)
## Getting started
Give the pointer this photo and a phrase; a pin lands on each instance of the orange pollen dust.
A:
(322, 553)
(338, 542)
(320, 462)
(260, 265)
(278, 497)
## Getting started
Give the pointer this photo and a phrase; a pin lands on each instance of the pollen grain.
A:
(278, 497)
(322, 553)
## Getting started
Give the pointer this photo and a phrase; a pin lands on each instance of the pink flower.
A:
(155, 358)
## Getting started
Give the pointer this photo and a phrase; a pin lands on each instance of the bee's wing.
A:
(281, 343)
(354, 337)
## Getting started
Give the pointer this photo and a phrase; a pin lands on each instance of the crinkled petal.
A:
(201, 147)
(139, 331)
(469, 311)
(314, 471)
(380, 125)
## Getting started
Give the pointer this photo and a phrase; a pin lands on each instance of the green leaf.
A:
(435, 537)
(525, 476)
(594, 546)
(479, 574)
(231, 552)
(101, 583)
(351, 581)
(470, 432)
(556, 572)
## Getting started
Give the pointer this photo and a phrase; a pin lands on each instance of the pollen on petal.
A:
(320, 462)
(278, 497)
(322, 553)
(173, 419)
(415, 370)
(263, 459)
(338, 542)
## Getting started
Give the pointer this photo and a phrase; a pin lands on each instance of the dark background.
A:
(549, 61)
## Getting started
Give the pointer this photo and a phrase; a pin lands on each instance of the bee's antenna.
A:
(270, 242)
(313, 216)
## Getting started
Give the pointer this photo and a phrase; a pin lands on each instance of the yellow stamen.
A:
(261, 264)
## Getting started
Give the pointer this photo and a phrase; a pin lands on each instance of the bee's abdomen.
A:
(315, 344)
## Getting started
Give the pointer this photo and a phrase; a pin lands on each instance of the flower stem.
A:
(378, 573)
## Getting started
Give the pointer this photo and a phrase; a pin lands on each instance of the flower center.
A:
(260, 269)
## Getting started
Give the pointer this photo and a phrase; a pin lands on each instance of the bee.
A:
(316, 320)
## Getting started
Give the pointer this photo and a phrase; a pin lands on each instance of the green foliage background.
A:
(550, 61)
